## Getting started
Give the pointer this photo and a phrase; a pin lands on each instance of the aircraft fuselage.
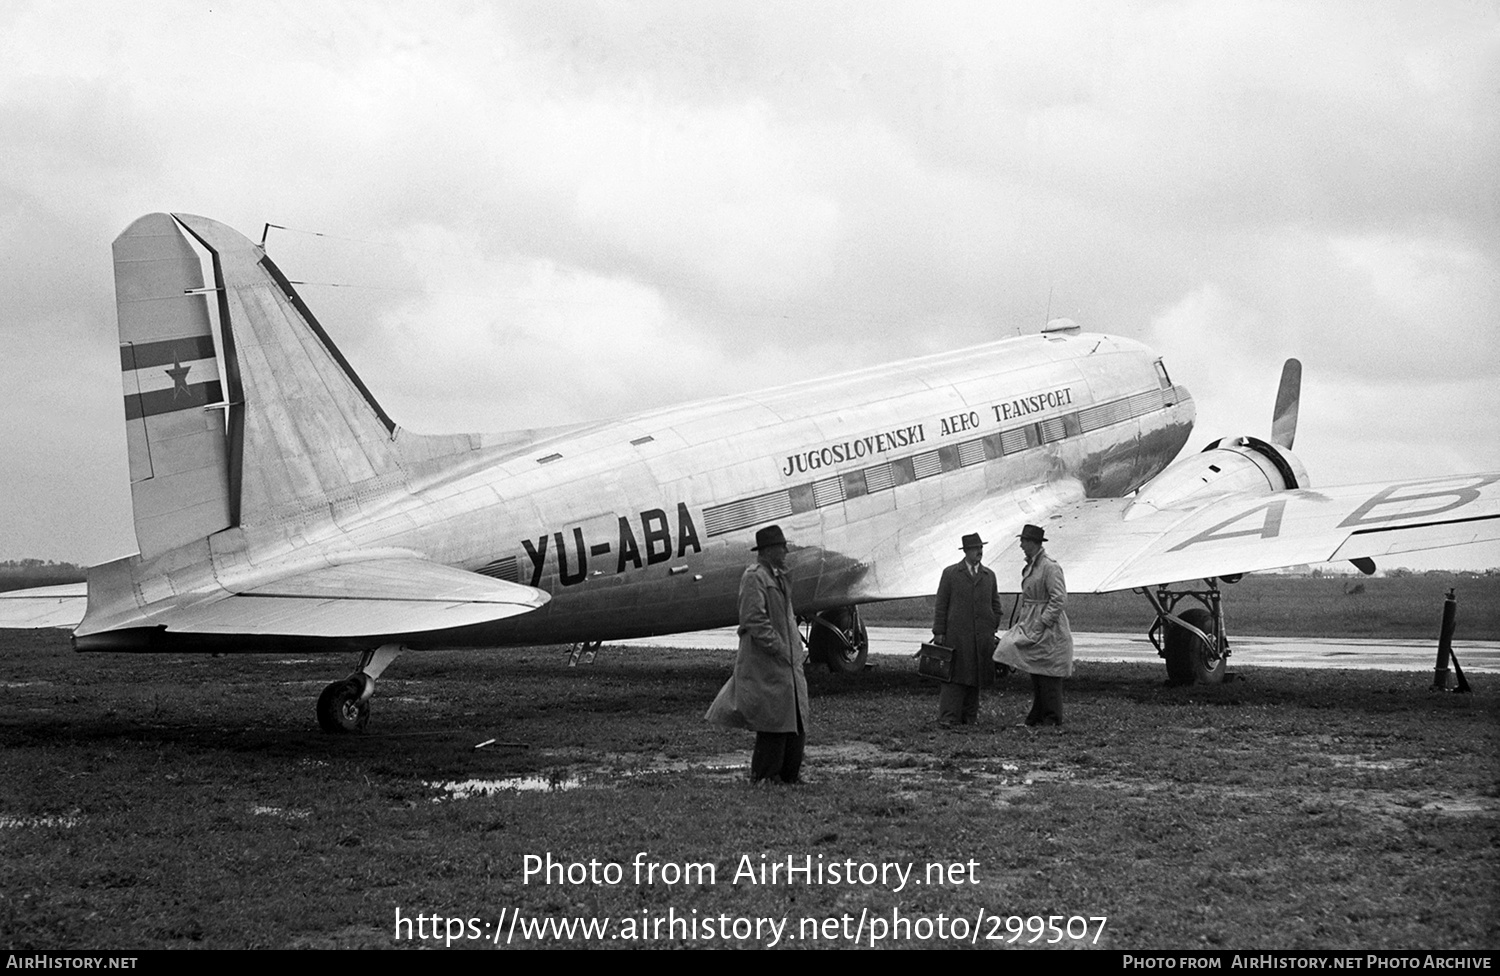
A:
(644, 525)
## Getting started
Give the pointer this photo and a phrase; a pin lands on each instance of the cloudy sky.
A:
(512, 214)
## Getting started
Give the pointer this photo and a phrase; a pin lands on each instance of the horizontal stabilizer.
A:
(388, 596)
(371, 597)
(44, 606)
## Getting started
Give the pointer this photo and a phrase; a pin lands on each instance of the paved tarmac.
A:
(1476, 657)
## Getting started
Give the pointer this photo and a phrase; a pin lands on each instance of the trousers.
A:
(957, 704)
(1046, 700)
(778, 755)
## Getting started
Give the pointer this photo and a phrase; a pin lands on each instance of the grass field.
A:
(189, 801)
(1287, 606)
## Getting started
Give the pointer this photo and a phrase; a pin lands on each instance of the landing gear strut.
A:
(344, 706)
(1192, 641)
(838, 638)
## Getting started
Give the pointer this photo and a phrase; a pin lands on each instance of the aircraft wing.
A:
(1118, 544)
(388, 595)
(44, 606)
(1108, 544)
(909, 562)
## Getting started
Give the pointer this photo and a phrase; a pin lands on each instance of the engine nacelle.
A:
(1230, 464)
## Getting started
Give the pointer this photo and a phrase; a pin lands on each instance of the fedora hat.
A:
(972, 539)
(767, 537)
(1033, 533)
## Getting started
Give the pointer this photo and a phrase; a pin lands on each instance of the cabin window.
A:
(829, 491)
(880, 477)
(927, 464)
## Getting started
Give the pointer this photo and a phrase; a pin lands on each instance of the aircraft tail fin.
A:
(239, 408)
(253, 448)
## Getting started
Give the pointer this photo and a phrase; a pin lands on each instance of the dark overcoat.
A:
(768, 689)
(968, 613)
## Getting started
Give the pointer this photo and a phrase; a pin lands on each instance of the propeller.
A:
(1284, 428)
(1284, 420)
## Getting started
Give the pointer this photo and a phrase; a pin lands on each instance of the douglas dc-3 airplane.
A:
(277, 506)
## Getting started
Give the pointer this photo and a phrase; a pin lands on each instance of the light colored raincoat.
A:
(1043, 639)
(768, 690)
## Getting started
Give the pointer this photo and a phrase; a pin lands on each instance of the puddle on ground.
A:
(862, 758)
(1359, 762)
(265, 811)
(22, 822)
(467, 788)
(559, 781)
(854, 758)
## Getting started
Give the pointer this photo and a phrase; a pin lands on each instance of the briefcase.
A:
(935, 661)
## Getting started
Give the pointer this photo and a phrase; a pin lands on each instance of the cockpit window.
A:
(1161, 375)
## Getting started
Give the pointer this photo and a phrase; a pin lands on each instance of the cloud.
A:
(539, 213)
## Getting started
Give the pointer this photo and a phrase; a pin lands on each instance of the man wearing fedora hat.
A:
(768, 691)
(966, 617)
(1044, 641)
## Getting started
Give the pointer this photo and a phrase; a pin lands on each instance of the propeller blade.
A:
(1284, 420)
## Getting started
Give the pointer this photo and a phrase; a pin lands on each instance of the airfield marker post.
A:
(1445, 649)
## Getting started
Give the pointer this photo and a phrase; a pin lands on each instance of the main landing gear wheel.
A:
(342, 707)
(838, 638)
(1191, 659)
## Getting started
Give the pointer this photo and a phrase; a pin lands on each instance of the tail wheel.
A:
(1191, 660)
(341, 707)
(838, 639)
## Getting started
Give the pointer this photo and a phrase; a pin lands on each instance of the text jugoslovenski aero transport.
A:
(881, 442)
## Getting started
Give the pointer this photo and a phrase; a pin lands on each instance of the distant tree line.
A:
(1403, 572)
(20, 574)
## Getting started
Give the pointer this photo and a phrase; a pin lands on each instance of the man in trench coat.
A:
(966, 617)
(768, 690)
(1044, 639)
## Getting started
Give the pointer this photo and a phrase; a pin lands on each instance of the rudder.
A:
(174, 392)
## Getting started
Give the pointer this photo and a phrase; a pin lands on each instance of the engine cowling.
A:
(1229, 464)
